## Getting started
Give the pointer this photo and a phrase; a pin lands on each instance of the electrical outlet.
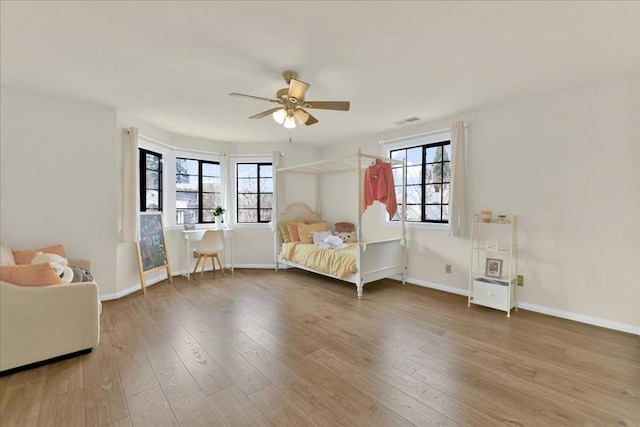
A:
(447, 268)
(195, 253)
(520, 281)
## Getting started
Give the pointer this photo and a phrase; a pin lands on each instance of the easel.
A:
(150, 248)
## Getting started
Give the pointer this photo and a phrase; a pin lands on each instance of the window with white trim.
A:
(254, 192)
(428, 178)
(198, 190)
(150, 181)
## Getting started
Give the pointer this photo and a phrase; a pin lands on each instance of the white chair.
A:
(211, 244)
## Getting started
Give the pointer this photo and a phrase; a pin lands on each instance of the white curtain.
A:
(225, 170)
(457, 202)
(279, 196)
(129, 228)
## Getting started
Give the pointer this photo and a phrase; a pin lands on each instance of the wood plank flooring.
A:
(292, 348)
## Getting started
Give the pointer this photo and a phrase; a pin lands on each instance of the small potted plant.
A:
(218, 211)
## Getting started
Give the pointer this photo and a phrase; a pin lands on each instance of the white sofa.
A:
(39, 323)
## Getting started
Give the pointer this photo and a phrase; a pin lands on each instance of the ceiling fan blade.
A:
(311, 120)
(328, 105)
(305, 118)
(265, 113)
(297, 89)
(254, 97)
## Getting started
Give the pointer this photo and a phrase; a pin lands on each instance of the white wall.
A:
(57, 169)
(567, 163)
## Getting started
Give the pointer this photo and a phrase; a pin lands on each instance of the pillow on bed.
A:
(305, 230)
(284, 232)
(319, 236)
(292, 227)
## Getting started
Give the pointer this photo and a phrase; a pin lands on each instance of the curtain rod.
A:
(174, 148)
(255, 155)
(431, 132)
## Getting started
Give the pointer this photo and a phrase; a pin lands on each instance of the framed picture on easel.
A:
(151, 247)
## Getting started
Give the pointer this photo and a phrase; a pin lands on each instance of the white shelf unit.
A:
(493, 284)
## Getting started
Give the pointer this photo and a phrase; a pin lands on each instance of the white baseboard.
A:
(590, 320)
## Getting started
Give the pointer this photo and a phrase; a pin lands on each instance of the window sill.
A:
(418, 225)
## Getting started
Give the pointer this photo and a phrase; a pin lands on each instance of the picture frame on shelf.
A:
(493, 268)
(492, 245)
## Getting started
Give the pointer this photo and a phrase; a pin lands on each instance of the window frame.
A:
(200, 191)
(408, 142)
(262, 161)
(142, 182)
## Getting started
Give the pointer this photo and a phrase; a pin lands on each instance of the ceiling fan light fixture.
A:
(289, 122)
(279, 116)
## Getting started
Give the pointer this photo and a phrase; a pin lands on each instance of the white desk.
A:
(195, 236)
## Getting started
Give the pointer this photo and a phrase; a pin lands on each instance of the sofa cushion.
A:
(26, 256)
(6, 255)
(30, 275)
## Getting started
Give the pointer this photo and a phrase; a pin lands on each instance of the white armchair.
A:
(39, 323)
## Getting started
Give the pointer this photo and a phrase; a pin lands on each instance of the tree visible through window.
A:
(428, 182)
(254, 186)
(198, 190)
(150, 181)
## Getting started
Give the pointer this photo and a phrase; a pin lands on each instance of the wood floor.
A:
(292, 348)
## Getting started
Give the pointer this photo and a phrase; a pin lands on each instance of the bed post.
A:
(404, 218)
(359, 231)
(275, 164)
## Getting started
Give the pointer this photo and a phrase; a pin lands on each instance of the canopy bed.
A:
(359, 262)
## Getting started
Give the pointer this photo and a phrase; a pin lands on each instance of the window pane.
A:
(207, 215)
(247, 185)
(192, 166)
(266, 200)
(153, 199)
(447, 171)
(153, 162)
(186, 216)
(181, 169)
(434, 173)
(265, 215)
(414, 156)
(414, 213)
(186, 200)
(266, 185)
(445, 212)
(445, 193)
(414, 175)
(397, 176)
(414, 194)
(247, 201)
(210, 169)
(247, 215)
(208, 200)
(433, 212)
(447, 152)
(153, 180)
(434, 154)
(266, 171)
(398, 154)
(432, 193)
(211, 185)
(247, 170)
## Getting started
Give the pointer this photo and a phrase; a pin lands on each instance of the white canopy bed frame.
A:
(375, 260)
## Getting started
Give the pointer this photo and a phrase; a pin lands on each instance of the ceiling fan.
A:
(291, 103)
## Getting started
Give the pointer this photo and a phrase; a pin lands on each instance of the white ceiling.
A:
(173, 64)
